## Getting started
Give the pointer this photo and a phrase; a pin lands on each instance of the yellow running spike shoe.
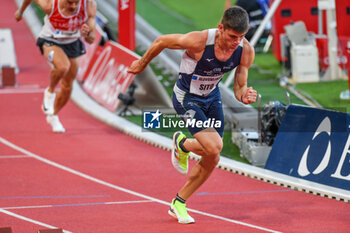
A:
(178, 210)
(179, 158)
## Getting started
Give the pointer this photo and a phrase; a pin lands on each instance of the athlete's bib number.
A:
(67, 34)
(203, 85)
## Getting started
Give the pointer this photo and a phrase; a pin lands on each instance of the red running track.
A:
(94, 179)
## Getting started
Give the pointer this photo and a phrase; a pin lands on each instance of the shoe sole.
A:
(173, 214)
(63, 130)
(59, 131)
(174, 160)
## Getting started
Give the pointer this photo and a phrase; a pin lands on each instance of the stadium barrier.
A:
(103, 71)
(8, 60)
(103, 75)
(313, 144)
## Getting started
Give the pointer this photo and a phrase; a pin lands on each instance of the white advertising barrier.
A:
(7, 49)
(106, 75)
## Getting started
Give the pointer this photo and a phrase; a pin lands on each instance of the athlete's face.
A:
(72, 5)
(231, 39)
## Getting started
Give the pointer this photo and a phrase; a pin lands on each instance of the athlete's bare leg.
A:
(64, 69)
(60, 62)
(66, 85)
(208, 144)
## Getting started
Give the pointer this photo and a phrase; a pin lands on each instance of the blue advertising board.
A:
(313, 144)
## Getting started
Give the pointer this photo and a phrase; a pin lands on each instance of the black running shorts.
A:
(72, 50)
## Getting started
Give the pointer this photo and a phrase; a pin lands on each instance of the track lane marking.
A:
(247, 192)
(30, 220)
(88, 177)
(76, 204)
(13, 156)
(21, 91)
(54, 197)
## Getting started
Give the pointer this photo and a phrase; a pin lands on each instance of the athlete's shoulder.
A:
(248, 54)
(247, 45)
(196, 40)
(199, 36)
(248, 49)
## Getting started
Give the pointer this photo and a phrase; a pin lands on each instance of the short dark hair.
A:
(236, 18)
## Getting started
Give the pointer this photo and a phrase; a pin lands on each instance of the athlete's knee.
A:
(219, 145)
(62, 69)
(213, 149)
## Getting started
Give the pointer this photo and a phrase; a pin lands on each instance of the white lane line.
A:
(4, 141)
(72, 205)
(26, 207)
(21, 91)
(30, 220)
(127, 202)
(13, 156)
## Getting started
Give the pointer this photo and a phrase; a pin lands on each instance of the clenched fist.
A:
(84, 30)
(249, 96)
(18, 15)
(137, 67)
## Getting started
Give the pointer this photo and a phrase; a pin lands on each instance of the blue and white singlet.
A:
(196, 97)
(202, 77)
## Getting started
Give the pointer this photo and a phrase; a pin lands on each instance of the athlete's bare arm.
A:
(243, 93)
(91, 21)
(45, 5)
(192, 42)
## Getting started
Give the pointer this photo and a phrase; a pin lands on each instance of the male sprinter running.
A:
(208, 55)
(59, 41)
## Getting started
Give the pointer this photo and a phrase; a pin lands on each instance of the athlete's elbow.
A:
(168, 42)
(160, 43)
